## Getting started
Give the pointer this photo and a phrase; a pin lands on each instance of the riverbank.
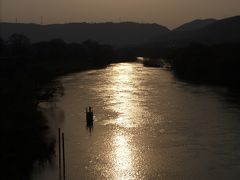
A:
(26, 69)
(203, 64)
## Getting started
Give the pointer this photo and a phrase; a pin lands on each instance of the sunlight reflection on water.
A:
(123, 91)
(122, 157)
(148, 126)
(123, 94)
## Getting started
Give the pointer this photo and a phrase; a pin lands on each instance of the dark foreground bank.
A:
(25, 70)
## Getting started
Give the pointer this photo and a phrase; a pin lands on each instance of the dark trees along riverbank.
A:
(215, 64)
(25, 70)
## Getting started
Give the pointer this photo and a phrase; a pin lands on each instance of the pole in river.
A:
(63, 151)
(59, 153)
(89, 115)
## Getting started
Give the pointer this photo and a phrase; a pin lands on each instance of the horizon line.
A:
(114, 22)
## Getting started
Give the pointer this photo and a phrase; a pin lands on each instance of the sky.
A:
(170, 13)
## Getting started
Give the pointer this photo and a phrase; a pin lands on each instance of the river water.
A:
(148, 125)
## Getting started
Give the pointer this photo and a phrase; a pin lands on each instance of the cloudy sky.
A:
(170, 13)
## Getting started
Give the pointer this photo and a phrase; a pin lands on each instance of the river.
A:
(147, 125)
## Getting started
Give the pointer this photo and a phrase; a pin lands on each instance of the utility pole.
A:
(59, 153)
(0, 17)
(63, 152)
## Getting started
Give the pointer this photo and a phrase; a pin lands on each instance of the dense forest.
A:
(212, 64)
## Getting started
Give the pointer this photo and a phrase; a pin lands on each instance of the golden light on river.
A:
(123, 89)
(122, 157)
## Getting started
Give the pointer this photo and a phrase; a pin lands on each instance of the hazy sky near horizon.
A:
(170, 13)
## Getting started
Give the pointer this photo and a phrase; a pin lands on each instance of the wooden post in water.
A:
(59, 151)
(89, 115)
(64, 175)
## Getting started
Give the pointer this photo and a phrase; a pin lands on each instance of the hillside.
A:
(209, 31)
(194, 25)
(221, 31)
(126, 33)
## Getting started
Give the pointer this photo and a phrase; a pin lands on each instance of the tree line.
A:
(26, 72)
(217, 64)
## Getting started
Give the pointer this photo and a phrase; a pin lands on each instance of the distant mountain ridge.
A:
(220, 31)
(196, 24)
(126, 33)
(225, 30)
(209, 31)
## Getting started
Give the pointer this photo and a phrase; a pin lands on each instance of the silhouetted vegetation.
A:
(116, 34)
(216, 64)
(25, 69)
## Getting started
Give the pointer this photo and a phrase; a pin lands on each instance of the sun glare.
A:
(123, 88)
(122, 157)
